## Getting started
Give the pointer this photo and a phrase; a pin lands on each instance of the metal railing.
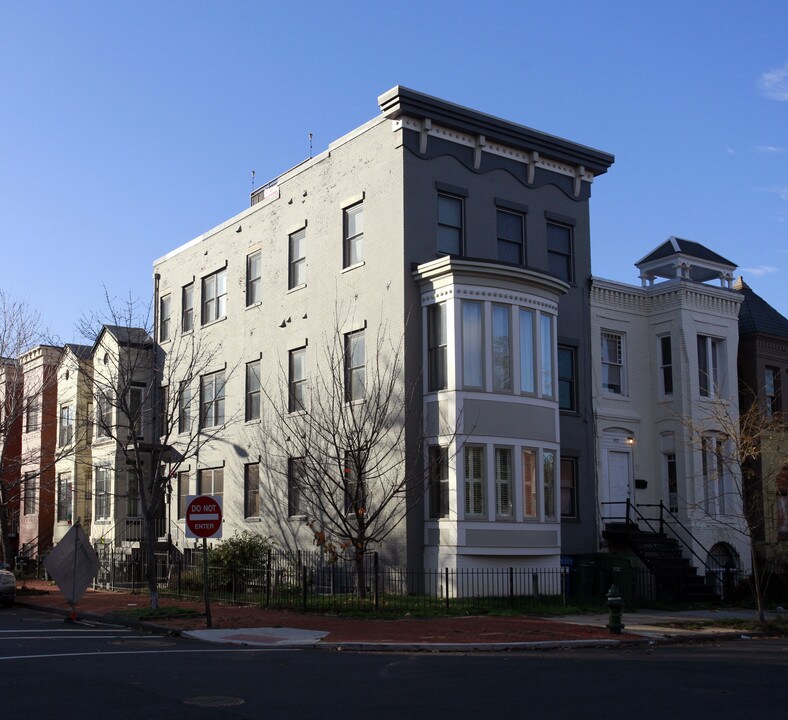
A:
(306, 581)
(634, 516)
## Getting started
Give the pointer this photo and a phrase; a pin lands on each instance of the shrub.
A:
(243, 550)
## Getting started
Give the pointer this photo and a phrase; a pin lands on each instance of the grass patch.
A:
(163, 613)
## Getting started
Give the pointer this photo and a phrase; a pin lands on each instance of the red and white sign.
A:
(203, 516)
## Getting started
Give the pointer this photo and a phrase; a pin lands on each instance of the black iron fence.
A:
(307, 581)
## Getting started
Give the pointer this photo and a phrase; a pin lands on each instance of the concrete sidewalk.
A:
(284, 629)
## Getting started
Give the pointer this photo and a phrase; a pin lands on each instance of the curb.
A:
(394, 647)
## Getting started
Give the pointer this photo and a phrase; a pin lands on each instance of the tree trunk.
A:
(758, 589)
(5, 531)
(360, 575)
(150, 541)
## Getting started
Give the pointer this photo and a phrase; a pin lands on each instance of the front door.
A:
(618, 484)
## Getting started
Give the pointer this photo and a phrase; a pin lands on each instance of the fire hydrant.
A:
(614, 605)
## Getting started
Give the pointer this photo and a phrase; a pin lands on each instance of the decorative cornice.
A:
(401, 102)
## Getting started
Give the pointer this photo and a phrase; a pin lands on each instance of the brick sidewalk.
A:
(471, 629)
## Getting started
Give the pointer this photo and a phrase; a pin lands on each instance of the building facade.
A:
(666, 397)
(763, 368)
(39, 448)
(461, 241)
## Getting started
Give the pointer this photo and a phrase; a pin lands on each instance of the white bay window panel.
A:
(474, 482)
(527, 364)
(546, 344)
(530, 490)
(472, 345)
(549, 470)
(501, 349)
(503, 483)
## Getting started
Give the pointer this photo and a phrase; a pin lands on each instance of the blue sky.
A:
(127, 129)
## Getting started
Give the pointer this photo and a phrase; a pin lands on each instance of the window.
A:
(672, 480)
(436, 347)
(297, 380)
(613, 363)
(136, 397)
(297, 259)
(568, 487)
(705, 471)
(187, 307)
(548, 466)
(103, 415)
(503, 483)
(295, 487)
(165, 307)
(33, 413)
(546, 350)
(101, 493)
(559, 251)
(719, 474)
(474, 482)
(439, 481)
(501, 349)
(254, 278)
(252, 490)
(65, 499)
(567, 392)
(772, 391)
(353, 234)
(666, 365)
(30, 487)
(709, 355)
(527, 367)
(510, 237)
(530, 490)
(210, 482)
(214, 297)
(355, 366)
(355, 486)
(253, 390)
(183, 493)
(132, 494)
(66, 425)
(212, 399)
(184, 408)
(450, 234)
(472, 345)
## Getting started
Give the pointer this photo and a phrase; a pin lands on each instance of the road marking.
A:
(145, 652)
(65, 630)
(73, 637)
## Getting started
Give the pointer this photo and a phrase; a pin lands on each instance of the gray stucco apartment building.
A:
(456, 238)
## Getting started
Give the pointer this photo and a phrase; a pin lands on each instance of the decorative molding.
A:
(532, 159)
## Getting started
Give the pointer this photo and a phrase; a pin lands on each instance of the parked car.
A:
(7, 586)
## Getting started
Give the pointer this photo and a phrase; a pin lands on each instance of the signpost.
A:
(204, 520)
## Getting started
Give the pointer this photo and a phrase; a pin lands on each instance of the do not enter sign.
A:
(203, 516)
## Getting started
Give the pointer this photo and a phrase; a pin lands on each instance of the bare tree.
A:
(147, 402)
(342, 436)
(736, 454)
(20, 330)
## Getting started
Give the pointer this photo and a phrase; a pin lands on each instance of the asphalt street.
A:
(48, 666)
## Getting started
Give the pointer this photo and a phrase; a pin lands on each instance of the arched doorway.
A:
(723, 568)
